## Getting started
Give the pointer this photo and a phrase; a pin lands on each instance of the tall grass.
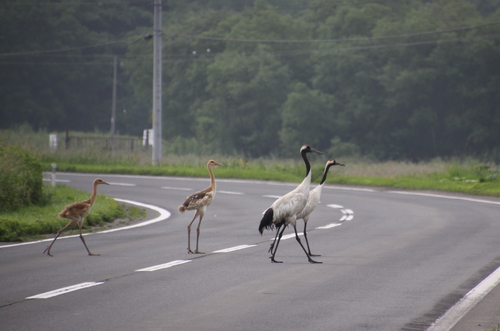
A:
(463, 175)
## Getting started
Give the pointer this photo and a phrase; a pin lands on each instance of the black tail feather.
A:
(267, 220)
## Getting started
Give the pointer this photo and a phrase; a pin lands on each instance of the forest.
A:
(386, 79)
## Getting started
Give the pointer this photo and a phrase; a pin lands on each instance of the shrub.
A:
(20, 178)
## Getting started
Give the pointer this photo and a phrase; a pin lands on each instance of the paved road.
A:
(391, 261)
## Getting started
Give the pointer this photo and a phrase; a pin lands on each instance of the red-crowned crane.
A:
(76, 212)
(199, 201)
(285, 209)
(313, 200)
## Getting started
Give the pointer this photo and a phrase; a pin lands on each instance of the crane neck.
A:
(213, 185)
(94, 193)
(325, 173)
(306, 161)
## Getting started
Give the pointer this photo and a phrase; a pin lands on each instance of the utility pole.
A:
(157, 84)
(113, 103)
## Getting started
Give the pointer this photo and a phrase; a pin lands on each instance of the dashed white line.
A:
(329, 226)
(288, 236)
(57, 180)
(122, 184)
(232, 249)
(335, 206)
(229, 192)
(165, 265)
(348, 215)
(176, 188)
(64, 290)
(272, 196)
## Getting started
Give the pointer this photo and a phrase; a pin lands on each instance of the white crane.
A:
(199, 201)
(313, 200)
(285, 209)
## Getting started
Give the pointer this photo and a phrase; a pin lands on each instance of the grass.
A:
(42, 221)
(469, 177)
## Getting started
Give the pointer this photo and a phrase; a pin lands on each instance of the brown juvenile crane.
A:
(199, 201)
(76, 212)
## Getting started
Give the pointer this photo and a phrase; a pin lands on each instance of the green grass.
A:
(36, 221)
(475, 179)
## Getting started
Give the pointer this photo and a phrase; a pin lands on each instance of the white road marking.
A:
(64, 290)
(122, 184)
(176, 188)
(229, 192)
(232, 249)
(272, 196)
(349, 188)
(165, 265)
(57, 180)
(329, 226)
(462, 307)
(288, 236)
(446, 197)
(335, 206)
(164, 214)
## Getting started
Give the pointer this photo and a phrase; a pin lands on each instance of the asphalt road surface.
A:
(392, 260)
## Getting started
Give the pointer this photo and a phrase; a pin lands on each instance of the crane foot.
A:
(47, 250)
(274, 261)
(312, 261)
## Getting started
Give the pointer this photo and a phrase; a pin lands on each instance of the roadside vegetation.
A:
(38, 216)
(29, 208)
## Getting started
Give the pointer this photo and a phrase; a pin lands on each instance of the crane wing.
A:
(77, 209)
(198, 199)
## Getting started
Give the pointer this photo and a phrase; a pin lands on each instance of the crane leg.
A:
(83, 240)
(47, 250)
(300, 243)
(275, 237)
(277, 243)
(198, 236)
(307, 241)
(189, 234)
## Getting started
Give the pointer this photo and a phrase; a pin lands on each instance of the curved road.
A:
(392, 260)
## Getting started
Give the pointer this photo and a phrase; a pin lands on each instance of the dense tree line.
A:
(390, 79)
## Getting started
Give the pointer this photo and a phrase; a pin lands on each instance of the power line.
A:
(333, 40)
(71, 49)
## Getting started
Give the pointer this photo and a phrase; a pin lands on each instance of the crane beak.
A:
(336, 163)
(316, 151)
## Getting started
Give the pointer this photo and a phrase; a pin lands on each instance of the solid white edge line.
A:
(445, 197)
(164, 265)
(164, 214)
(64, 290)
(462, 307)
(232, 249)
